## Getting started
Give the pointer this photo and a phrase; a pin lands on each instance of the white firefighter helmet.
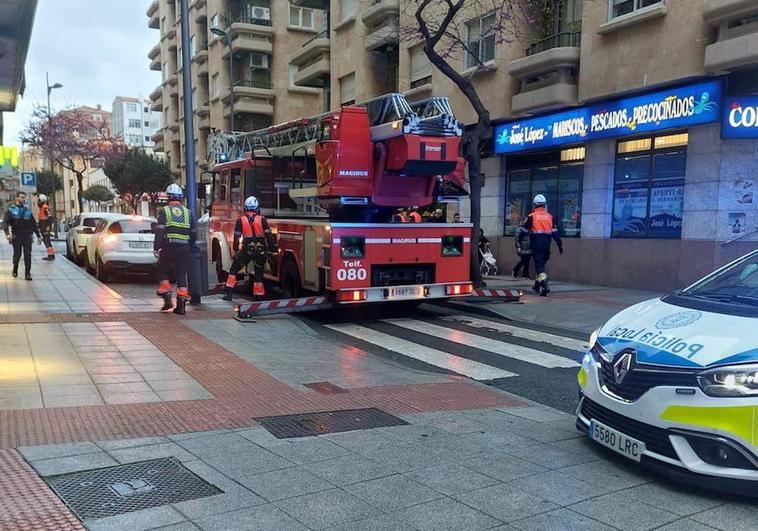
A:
(42, 198)
(539, 200)
(174, 192)
(251, 203)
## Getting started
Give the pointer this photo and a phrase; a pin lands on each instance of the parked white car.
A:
(79, 231)
(121, 244)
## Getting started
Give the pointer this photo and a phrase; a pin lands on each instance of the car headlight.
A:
(593, 337)
(734, 381)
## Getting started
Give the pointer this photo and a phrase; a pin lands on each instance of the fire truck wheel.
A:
(291, 286)
(220, 273)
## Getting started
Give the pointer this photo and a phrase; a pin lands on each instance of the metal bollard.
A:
(197, 274)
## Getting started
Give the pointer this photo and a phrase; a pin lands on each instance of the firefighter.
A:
(253, 241)
(19, 225)
(414, 216)
(175, 235)
(45, 217)
(542, 231)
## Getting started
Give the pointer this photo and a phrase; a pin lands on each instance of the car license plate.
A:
(616, 441)
(409, 292)
(141, 245)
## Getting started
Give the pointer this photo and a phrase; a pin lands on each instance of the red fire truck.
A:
(330, 185)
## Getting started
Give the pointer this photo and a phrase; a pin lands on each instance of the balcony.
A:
(156, 94)
(251, 42)
(157, 139)
(203, 113)
(313, 62)
(312, 4)
(382, 21)
(202, 69)
(251, 97)
(153, 15)
(197, 4)
(548, 74)
(737, 44)
(201, 53)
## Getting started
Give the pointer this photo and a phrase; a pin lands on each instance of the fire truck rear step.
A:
(247, 311)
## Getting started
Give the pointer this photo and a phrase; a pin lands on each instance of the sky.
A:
(96, 49)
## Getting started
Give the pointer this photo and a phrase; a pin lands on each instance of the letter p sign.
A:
(29, 178)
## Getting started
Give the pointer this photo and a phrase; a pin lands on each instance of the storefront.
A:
(638, 184)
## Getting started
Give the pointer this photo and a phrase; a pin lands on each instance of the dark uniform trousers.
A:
(172, 263)
(22, 244)
(252, 251)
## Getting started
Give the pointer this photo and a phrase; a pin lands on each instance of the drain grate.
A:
(126, 488)
(326, 388)
(309, 424)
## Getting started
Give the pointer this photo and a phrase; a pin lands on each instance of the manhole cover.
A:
(126, 488)
(309, 424)
(326, 388)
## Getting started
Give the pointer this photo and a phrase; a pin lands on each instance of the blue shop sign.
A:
(740, 117)
(664, 109)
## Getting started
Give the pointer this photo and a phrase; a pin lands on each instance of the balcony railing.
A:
(571, 39)
(324, 34)
(254, 83)
(244, 18)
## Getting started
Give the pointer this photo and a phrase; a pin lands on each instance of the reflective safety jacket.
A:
(414, 217)
(44, 212)
(175, 226)
(253, 228)
(20, 221)
(541, 230)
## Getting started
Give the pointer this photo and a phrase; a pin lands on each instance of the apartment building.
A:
(134, 122)
(637, 118)
(248, 69)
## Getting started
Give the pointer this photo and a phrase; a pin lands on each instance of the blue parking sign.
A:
(29, 178)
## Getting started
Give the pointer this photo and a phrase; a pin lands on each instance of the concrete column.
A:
(597, 189)
(493, 198)
(701, 183)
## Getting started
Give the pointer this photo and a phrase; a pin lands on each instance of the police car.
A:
(672, 382)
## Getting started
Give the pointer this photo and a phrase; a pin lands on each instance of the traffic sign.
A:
(29, 178)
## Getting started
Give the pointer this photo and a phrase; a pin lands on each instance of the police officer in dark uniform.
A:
(19, 225)
(253, 238)
(175, 235)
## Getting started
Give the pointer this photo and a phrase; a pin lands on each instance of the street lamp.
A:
(228, 39)
(50, 88)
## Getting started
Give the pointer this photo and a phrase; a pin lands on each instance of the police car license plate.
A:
(407, 292)
(616, 441)
(140, 245)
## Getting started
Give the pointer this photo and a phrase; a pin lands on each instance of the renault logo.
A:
(622, 367)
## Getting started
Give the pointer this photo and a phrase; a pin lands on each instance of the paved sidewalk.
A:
(90, 380)
(577, 307)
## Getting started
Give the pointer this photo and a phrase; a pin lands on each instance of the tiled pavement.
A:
(472, 458)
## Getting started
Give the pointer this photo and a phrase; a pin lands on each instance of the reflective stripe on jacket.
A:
(178, 224)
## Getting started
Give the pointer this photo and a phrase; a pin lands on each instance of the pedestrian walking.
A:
(524, 251)
(253, 238)
(19, 226)
(175, 235)
(46, 221)
(542, 231)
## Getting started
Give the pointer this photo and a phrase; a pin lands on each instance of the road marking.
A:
(516, 331)
(438, 358)
(501, 348)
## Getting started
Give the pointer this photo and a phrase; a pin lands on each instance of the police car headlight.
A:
(593, 338)
(733, 381)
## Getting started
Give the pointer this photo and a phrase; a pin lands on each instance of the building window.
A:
(617, 8)
(301, 17)
(214, 87)
(421, 67)
(347, 89)
(347, 9)
(178, 58)
(215, 23)
(134, 124)
(132, 108)
(556, 175)
(147, 139)
(480, 40)
(146, 110)
(135, 139)
(165, 72)
(648, 187)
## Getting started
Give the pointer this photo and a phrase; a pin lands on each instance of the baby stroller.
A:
(487, 261)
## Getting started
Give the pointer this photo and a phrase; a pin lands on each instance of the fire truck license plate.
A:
(411, 292)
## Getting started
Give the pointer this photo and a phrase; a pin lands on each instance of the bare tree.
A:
(71, 138)
(440, 26)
